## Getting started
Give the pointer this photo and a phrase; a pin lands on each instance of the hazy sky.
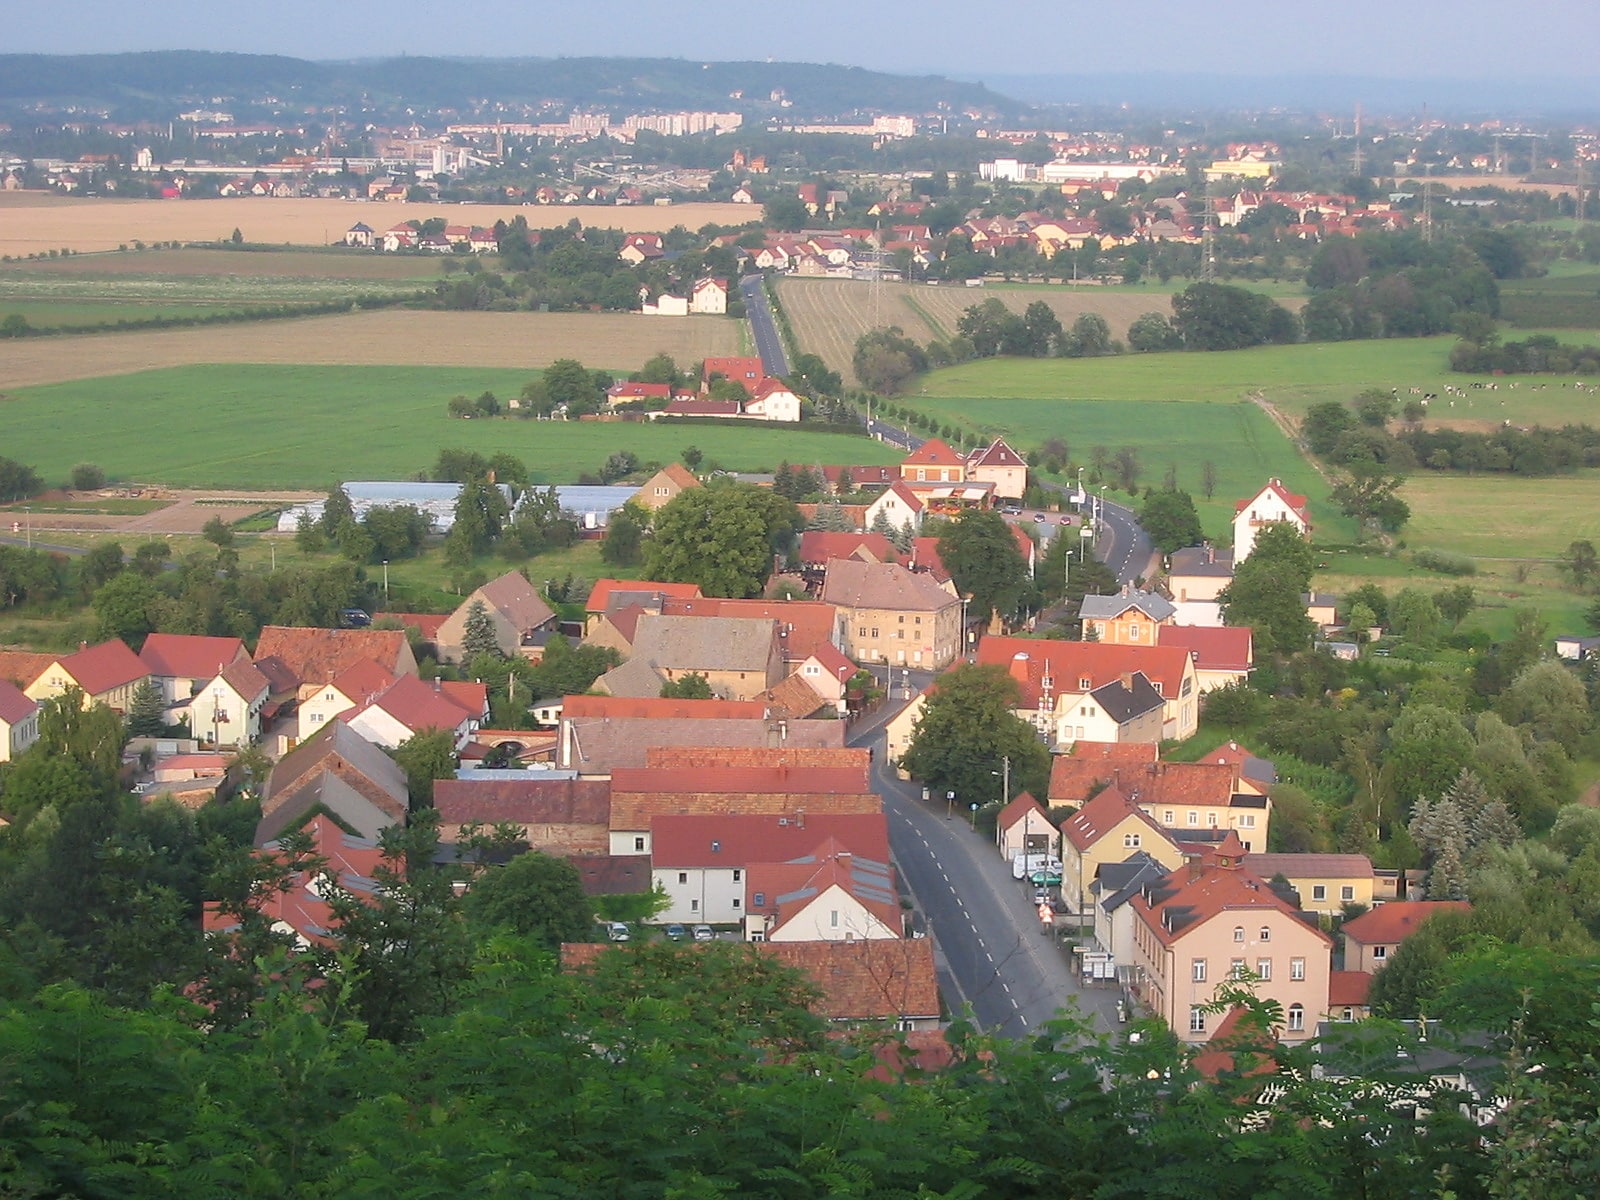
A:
(1458, 39)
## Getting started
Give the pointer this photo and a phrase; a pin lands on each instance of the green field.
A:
(80, 314)
(285, 427)
(1565, 299)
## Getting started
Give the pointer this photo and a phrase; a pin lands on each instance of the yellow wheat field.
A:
(615, 341)
(35, 222)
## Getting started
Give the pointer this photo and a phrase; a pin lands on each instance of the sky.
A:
(1396, 39)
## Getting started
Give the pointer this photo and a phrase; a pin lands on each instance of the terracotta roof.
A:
(14, 706)
(361, 681)
(1250, 766)
(791, 756)
(747, 369)
(22, 667)
(933, 452)
(868, 979)
(98, 669)
(709, 777)
(514, 598)
(1275, 487)
(599, 744)
(1073, 775)
(903, 491)
(832, 660)
(529, 801)
(1183, 900)
(630, 389)
(789, 889)
(641, 794)
(245, 679)
(794, 699)
(1392, 923)
(698, 406)
(1348, 988)
(680, 475)
(866, 475)
(1307, 866)
(291, 790)
(1100, 816)
(426, 624)
(1068, 663)
(741, 840)
(1018, 810)
(474, 697)
(577, 707)
(280, 678)
(418, 706)
(818, 546)
(1177, 783)
(1221, 1051)
(600, 595)
(1218, 648)
(188, 656)
(853, 584)
(316, 656)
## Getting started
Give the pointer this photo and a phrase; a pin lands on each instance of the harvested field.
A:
(828, 315)
(614, 341)
(191, 262)
(36, 222)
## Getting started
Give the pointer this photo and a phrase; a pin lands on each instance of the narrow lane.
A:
(763, 326)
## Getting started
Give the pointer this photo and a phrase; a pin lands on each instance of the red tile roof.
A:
(1348, 988)
(869, 979)
(1219, 648)
(1018, 810)
(98, 669)
(317, 656)
(600, 595)
(22, 667)
(1392, 923)
(933, 452)
(362, 681)
(533, 800)
(245, 679)
(1198, 898)
(14, 706)
(712, 779)
(427, 624)
(1068, 663)
(1276, 488)
(1100, 816)
(573, 707)
(693, 841)
(996, 454)
(817, 546)
(188, 656)
(418, 706)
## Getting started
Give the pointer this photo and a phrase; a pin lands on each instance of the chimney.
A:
(1196, 866)
(1127, 679)
(437, 684)
(82, 646)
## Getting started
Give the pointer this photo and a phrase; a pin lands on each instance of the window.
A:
(1194, 817)
(1197, 1020)
(329, 696)
(694, 906)
(1349, 1013)
(1167, 818)
(1183, 689)
(683, 877)
(1264, 968)
(919, 620)
(902, 618)
(813, 669)
(874, 632)
(1211, 820)
(1319, 891)
(737, 875)
(1084, 685)
(1236, 969)
(1380, 953)
(1130, 841)
(1238, 933)
(1197, 970)
(1297, 1017)
(1156, 683)
(1133, 632)
(1266, 934)
(316, 718)
(1348, 892)
(1297, 969)
(833, 918)
(1247, 820)
(736, 902)
(862, 632)
(638, 845)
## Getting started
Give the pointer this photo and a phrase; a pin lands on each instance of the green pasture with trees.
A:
(299, 427)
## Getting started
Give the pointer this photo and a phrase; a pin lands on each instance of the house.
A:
(408, 707)
(819, 546)
(664, 305)
(1055, 677)
(806, 628)
(702, 861)
(608, 595)
(1211, 920)
(1348, 995)
(1270, 506)
(1223, 655)
(1131, 617)
(893, 615)
(300, 909)
(793, 784)
(641, 248)
(1198, 573)
(19, 721)
(340, 773)
(831, 894)
(1371, 938)
(899, 506)
(1107, 829)
(1254, 773)
(350, 689)
(22, 667)
(516, 611)
(933, 462)
(106, 674)
(1183, 798)
(662, 487)
(709, 296)
(828, 673)
(1326, 883)
(738, 656)
(229, 707)
(596, 745)
(550, 811)
(1110, 895)
(794, 699)
(1000, 465)
(633, 392)
(845, 480)
(315, 657)
(1575, 648)
(746, 370)
(180, 663)
(773, 401)
(1125, 709)
(359, 234)
(1023, 827)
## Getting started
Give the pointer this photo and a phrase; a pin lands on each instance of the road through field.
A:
(396, 338)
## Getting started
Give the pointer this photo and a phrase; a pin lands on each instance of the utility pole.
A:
(1208, 240)
(1427, 208)
(1357, 161)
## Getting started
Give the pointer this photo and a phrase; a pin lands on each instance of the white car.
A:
(618, 932)
(704, 933)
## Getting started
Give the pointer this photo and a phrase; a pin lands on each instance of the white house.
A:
(359, 234)
(19, 721)
(902, 507)
(348, 690)
(709, 296)
(828, 895)
(773, 402)
(1271, 505)
(227, 709)
(664, 305)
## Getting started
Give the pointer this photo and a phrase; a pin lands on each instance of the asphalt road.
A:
(763, 327)
(988, 941)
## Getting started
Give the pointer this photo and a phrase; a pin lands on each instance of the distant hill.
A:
(144, 83)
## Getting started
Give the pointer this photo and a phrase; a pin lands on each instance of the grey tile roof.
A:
(855, 584)
(705, 643)
(1123, 702)
(1156, 607)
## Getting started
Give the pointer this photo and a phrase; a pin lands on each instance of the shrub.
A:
(1445, 562)
(86, 477)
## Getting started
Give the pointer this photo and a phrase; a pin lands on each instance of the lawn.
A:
(1241, 441)
(289, 427)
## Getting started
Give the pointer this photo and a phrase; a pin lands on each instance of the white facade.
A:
(710, 296)
(833, 916)
(901, 514)
(777, 404)
(17, 737)
(220, 713)
(383, 729)
(713, 895)
(1269, 506)
(317, 711)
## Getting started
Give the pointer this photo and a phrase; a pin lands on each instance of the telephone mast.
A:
(1357, 161)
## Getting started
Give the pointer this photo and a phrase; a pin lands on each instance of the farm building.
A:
(436, 501)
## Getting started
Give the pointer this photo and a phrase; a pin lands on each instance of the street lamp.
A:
(949, 805)
(386, 583)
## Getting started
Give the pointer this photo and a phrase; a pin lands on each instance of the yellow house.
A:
(1108, 829)
(1129, 618)
(106, 674)
(1326, 882)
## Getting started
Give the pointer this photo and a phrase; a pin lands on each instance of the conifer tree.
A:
(477, 636)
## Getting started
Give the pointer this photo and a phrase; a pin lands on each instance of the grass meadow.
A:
(295, 426)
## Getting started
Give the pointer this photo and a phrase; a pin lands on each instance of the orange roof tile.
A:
(933, 452)
(1392, 923)
(188, 656)
(585, 707)
(1067, 664)
(600, 595)
(317, 656)
(98, 669)
(22, 667)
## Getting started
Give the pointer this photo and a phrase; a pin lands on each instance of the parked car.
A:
(704, 933)
(1039, 517)
(617, 932)
(676, 932)
(1012, 510)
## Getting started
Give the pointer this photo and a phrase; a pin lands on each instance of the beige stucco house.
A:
(888, 614)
